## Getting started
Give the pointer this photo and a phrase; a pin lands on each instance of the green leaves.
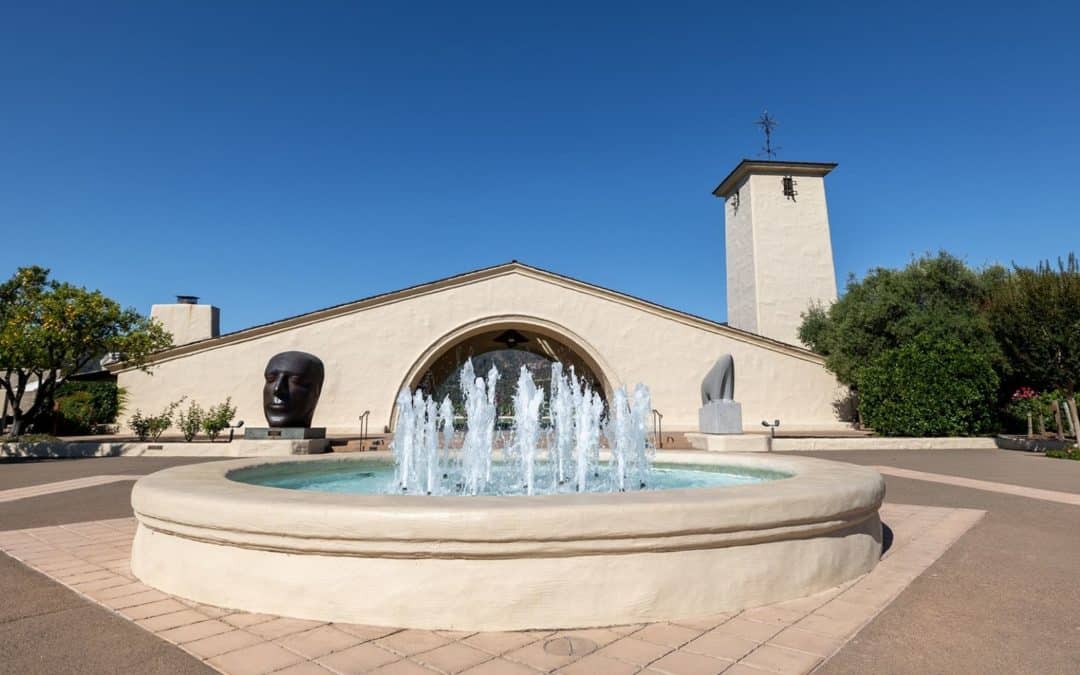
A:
(932, 386)
(153, 426)
(1035, 314)
(190, 420)
(50, 330)
(218, 418)
(890, 308)
(919, 345)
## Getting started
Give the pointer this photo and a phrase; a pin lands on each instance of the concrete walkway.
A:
(1005, 598)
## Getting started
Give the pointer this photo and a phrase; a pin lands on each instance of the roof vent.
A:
(187, 299)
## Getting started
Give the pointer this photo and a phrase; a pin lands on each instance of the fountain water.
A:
(565, 459)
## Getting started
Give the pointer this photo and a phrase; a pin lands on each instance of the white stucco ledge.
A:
(506, 563)
(729, 442)
(237, 448)
(883, 443)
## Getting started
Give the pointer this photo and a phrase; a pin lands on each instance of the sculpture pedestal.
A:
(284, 433)
(720, 417)
(730, 442)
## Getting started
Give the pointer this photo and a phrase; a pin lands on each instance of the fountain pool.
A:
(372, 478)
(568, 524)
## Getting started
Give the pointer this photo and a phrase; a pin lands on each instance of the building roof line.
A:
(349, 307)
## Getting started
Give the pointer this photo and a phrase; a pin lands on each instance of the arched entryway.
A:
(508, 342)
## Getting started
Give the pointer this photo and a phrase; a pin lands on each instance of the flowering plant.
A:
(1026, 404)
(1024, 394)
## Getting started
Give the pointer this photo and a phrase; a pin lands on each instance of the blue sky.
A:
(275, 158)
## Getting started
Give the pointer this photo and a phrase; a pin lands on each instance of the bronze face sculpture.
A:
(293, 383)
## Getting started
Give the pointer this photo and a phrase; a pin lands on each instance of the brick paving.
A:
(789, 637)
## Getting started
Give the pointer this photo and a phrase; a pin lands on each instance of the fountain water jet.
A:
(427, 462)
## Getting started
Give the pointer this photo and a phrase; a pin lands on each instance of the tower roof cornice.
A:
(772, 168)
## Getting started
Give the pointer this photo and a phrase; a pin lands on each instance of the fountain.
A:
(564, 457)
(567, 519)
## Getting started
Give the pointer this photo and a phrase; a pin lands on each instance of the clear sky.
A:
(275, 158)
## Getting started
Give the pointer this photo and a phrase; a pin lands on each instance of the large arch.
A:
(552, 338)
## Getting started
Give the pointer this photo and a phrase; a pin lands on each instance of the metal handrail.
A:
(364, 425)
(658, 427)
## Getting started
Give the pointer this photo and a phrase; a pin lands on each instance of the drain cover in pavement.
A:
(569, 646)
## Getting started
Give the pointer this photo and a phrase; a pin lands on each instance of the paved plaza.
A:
(979, 577)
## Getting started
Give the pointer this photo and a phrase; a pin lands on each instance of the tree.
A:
(935, 302)
(1035, 315)
(889, 308)
(51, 330)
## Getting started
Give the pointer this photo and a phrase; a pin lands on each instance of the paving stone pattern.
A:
(789, 637)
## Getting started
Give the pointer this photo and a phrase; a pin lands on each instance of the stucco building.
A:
(779, 260)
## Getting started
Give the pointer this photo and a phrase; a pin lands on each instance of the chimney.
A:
(187, 320)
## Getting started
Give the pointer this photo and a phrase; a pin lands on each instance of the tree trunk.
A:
(1056, 407)
(1029, 434)
(1075, 419)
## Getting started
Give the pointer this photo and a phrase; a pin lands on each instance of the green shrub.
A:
(153, 426)
(931, 386)
(189, 421)
(1068, 453)
(82, 407)
(218, 418)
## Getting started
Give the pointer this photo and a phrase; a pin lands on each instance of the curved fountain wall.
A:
(507, 563)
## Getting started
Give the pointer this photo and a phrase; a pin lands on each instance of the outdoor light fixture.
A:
(511, 338)
(771, 427)
(735, 201)
(789, 188)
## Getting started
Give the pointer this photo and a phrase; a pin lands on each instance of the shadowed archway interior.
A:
(509, 349)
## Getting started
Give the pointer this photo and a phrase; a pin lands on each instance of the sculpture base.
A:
(720, 417)
(730, 442)
(284, 433)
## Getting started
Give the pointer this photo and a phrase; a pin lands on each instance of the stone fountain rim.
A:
(200, 502)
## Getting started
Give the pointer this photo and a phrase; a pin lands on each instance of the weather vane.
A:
(767, 124)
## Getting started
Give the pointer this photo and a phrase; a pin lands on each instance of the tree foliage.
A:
(50, 330)
(930, 386)
(937, 296)
(1035, 315)
(81, 407)
(918, 345)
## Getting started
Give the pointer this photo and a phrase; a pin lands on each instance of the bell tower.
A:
(776, 236)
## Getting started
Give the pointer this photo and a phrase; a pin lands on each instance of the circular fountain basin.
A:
(506, 562)
(373, 478)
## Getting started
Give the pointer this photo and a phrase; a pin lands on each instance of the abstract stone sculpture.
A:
(294, 381)
(719, 413)
(719, 383)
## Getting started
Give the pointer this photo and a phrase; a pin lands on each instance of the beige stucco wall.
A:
(779, 255)
(370, 350)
